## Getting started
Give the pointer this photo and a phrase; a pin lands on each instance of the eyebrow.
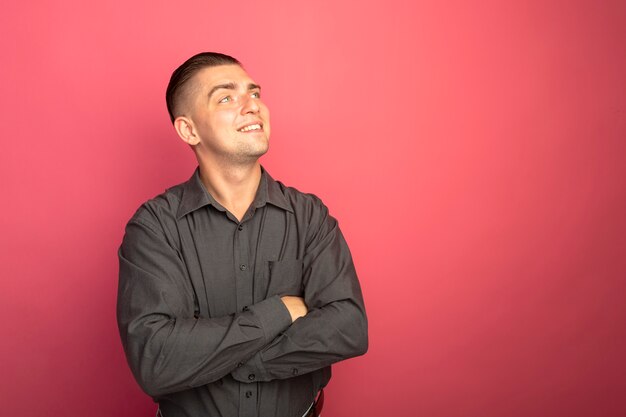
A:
(231, 86)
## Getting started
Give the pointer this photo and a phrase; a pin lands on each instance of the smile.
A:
(250, 128)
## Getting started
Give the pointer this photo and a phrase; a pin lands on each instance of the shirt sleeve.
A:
(335, 327)
(167, 348)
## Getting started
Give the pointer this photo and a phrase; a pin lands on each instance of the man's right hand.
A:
(296, 306)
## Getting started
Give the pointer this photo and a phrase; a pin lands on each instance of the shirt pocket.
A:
(284, 277)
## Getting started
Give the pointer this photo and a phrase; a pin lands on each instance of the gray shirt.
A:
(199, 310)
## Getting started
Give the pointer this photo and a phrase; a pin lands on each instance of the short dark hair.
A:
(187, 70)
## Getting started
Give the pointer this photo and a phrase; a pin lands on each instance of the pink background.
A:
(473, 154)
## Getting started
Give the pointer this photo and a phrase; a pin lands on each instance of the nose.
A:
(250, 105)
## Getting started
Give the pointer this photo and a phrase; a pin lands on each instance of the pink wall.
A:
(473, 153)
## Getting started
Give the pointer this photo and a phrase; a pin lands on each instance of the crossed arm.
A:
(169, 350)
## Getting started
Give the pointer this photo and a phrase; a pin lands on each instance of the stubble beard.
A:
(246, 153)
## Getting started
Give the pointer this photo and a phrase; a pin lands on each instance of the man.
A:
(236, 292)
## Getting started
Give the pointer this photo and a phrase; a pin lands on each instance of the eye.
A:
(225, 99)
(256, 94)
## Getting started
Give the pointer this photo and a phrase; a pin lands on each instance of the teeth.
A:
(251, 127)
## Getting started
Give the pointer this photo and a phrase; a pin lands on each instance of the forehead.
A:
(209, 77)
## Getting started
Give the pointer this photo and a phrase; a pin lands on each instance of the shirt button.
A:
(242, 267)
(240, 228)
(295, 371)
(251, 377)
(240, 364)
(245, 308)
(248, 394)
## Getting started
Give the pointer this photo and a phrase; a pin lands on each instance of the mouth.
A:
(253, 127)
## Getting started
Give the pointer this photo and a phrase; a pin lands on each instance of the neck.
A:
(234, 187)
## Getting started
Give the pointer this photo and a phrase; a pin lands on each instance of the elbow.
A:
(358, 332)
(148, 370)
(144, 365)
(157, 382)
(362, 349)
(154, 390)
(359, 337)
(363, 340)
(162, 376)
(150, 380)
(364, 334)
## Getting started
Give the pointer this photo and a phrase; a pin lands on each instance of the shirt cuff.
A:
(273, 315)
(251, 371)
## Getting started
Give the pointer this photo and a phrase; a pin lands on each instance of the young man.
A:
(236, 292)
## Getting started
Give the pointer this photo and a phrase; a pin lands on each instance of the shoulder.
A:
(303, 203)
(310, 212)
(160, 210)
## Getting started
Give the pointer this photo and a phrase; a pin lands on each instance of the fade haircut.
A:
(180, 77)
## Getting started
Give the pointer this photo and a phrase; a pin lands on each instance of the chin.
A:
(248, 156)
(259, 150)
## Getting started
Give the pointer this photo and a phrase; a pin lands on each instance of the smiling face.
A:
(224, 117)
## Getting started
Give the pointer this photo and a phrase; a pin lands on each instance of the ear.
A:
(186, 130)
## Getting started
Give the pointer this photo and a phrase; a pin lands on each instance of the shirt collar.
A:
(196, 196)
